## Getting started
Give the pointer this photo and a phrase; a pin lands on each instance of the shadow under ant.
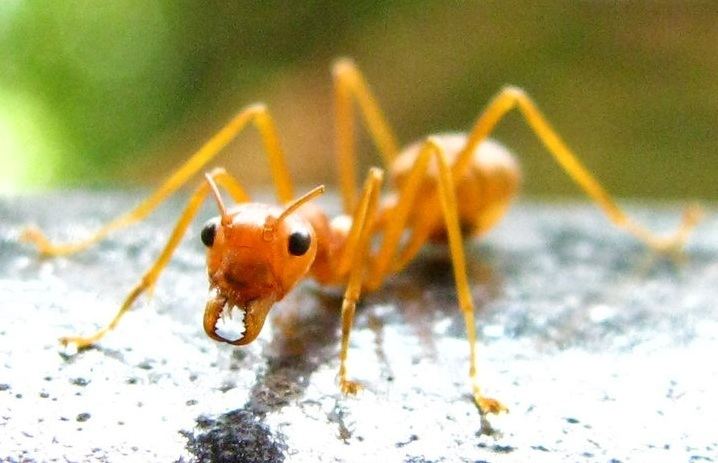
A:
(306, 333)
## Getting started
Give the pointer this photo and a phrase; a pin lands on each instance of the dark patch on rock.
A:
(503, 448)
(336, 415)
(498, 448)
(235, 436)
(412, 438)
(227, 386)
(82, 382)
(145, 365)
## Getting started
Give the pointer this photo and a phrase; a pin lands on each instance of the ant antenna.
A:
(226, 218)
(294, 205)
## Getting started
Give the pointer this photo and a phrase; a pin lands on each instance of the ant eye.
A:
(299, 242)
(208, 233)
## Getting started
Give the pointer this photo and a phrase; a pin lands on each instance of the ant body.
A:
(256, 252)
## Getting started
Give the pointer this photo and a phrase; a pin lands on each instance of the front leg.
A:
(357, 251)
(150, 278)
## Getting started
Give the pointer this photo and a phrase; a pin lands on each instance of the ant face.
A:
(253, 260)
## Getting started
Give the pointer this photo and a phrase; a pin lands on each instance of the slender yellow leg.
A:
(257, 114)
(418, 238)
(349, 85)
(512, 97)
(347, 260)
(381, 261)
(150, 277)
(447, 197)
(362, 221)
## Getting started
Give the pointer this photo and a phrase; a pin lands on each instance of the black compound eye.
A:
(299, 242)
(208, 233)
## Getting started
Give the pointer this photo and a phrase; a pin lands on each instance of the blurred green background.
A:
(113, 94)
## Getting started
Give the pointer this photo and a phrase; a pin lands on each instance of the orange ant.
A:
(447, 185)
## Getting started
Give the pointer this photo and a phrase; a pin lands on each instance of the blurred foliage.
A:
(116, 93)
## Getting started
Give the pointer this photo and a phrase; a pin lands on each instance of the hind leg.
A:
(512, 97)
(350, 86)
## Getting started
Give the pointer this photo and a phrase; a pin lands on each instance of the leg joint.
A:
(257, 109)
(516, 93)
(376, 174)
(343, 66)
(433, 143)
(216, 172)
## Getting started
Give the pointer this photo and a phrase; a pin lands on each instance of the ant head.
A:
(255, 254)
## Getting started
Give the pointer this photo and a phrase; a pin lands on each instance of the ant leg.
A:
(349, 85)
(384, 262)
(504, 102)
(257, 114)
(512, 97)
(447, 197)
(392, 234)
(357, 251)
(150, 277)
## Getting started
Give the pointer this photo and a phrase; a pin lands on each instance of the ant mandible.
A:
(257, 252)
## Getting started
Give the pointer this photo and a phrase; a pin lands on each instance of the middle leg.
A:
(380, 263)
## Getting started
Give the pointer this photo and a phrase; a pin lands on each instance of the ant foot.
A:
(673, 245)
(76, 343)
(349, 387)
(693, 214)
(34, 236)
(489, 406)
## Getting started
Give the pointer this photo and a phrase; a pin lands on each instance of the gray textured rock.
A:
(603, 351)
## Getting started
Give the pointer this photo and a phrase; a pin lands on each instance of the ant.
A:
(448, 185)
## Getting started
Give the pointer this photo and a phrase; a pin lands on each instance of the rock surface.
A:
(603, 351)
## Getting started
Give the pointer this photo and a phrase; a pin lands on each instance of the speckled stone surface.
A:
(603, 351)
